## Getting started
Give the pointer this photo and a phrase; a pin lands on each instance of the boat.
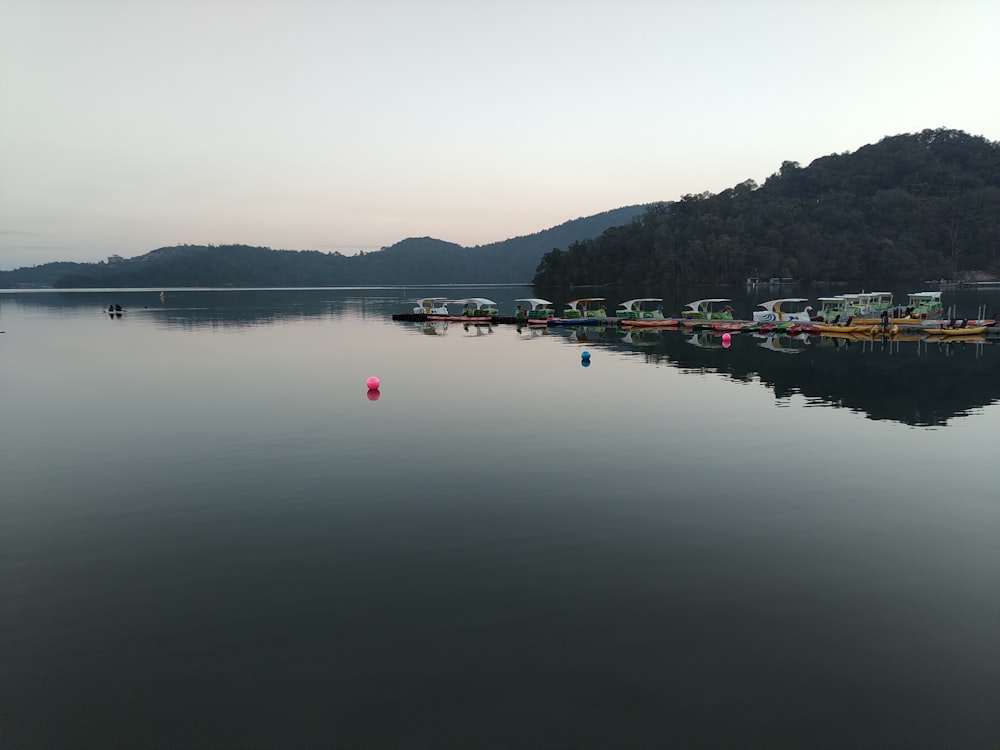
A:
(948, 332)
(654, 323)
(713, 308)
(832, 309)
(431, 306)
(586, 311)
(538, 311)
(780, 311)
(637, 309)
(476, 310)
(924, 305)
(825, 329)
(920, 308)
(478, 307)
(724, 326)
(867, 307)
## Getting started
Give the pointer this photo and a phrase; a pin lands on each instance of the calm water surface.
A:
(211, 537)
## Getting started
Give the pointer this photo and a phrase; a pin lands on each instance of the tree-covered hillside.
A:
(412, 261)
(914, 206)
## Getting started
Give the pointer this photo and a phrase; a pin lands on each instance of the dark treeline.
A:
(413, 261)
(909, 207)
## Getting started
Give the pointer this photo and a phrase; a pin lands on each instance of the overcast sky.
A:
(127, 125)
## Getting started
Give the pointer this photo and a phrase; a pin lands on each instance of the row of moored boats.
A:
(859, 314)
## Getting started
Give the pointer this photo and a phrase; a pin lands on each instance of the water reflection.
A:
(913, 380)
(530, 333)
(908, 378)
(704, 340)
(434, 329)
(239, 308)
(477, 329)
(784, 344)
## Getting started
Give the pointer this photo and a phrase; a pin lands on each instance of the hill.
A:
(412, 261)
(912, 206)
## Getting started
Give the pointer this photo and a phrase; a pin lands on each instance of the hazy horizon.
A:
(348, 126)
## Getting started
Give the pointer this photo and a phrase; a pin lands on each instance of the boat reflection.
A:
(642, 337)
(907, 378)
(430, 328)
(477, 329)
(784, 344)
(588, 334)
(532, 332)
(704, 340)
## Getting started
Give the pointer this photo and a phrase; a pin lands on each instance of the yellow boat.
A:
(865, 330)
(908, 320)
(830, 328)
(972, 331)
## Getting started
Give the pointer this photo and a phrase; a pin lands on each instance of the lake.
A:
(211, 537)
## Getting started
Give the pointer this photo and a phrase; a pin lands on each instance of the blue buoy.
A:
(585, 355)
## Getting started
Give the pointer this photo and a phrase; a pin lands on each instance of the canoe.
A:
(575, 321)
(975, 331)
(853, 330)
(856, 331)
(651, 323)
(903, 321)
(728, 326)
(719, 326)
(480, 319)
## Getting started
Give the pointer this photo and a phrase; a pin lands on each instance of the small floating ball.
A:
(374, 394)
(585, 355)
(373, 383)
(727, 341)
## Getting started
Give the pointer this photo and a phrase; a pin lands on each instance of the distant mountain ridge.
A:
(415, 260)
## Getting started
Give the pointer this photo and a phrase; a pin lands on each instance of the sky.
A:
(127, 125)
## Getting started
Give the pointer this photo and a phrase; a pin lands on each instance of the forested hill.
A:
(915, 206)
(413, 261)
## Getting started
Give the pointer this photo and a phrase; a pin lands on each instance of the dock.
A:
(493, 320)
(992, 332)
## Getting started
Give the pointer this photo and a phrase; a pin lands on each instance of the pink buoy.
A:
(727, 340)
(373, 383)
